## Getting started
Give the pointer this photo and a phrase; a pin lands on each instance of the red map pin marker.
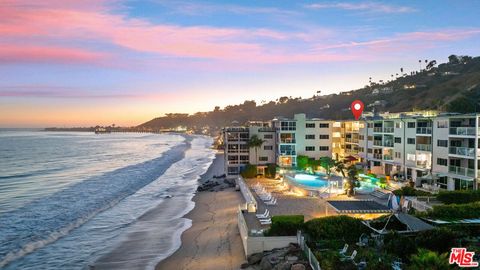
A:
(357, 108)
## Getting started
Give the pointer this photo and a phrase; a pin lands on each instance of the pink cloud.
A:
(363, 6)
(16, 54)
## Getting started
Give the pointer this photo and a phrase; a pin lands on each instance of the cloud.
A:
(44, 54)
(49, 91)
(363, 6)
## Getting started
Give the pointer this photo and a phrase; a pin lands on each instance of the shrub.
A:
(440, 240)
(250, 171)
(302, 162)
(395, 242)
(459, 196)
(410, 191)
(285, 225)
(271, 171)
(426, 259)
(455, 211)
(335, 227)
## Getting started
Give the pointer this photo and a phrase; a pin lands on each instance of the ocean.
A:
(73, 200)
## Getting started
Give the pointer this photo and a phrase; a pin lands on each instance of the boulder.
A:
(244, 265)
(255, 258)
(298, 267)
(283, 266)
(265, 264)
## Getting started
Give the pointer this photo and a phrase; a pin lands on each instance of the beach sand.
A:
(213, 241)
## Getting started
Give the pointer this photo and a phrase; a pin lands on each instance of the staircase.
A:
(380, 194)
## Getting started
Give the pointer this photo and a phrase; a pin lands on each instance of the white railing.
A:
(377, 129)
(419, 205)
(388, 129)
(250, 202)
(424, 130)
(424, 147)
(464, 131)
(312, 260)
(462, 151)
(461, 171)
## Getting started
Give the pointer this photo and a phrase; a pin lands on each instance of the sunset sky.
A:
(89, 62)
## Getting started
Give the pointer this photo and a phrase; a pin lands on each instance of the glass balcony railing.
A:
(388, 129)
(422, 164)
(387, 157)
(461, 171)
(287, 141)
(377, 143)
(388, 144)
(424, 130)
(377, 156)
(377, 129)
(463, 131)
(462, 151)
(424, 147)
(288, 153)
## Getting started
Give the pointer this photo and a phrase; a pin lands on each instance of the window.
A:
(309, 148)
(370, 125)
(268, 136)
(370, 138)
(369, 150)
(361, 137)
(262, 158)
(323, 125)
(410, 140)
(398, 140)
(310, 125)
(411, 157)
(398, 155)
(324, 137)
(442, 124)
(411, 124)
(442, 161)
(290, 125)
(361, 149)
(398, 125)
(310, 137)
(323, 148)
(377, 164)
(268, 147)
(442, 143)
(442, 182)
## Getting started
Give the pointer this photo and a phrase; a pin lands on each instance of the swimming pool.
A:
(308, 181)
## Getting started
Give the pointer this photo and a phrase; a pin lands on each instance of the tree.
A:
(352, 179)
(302, 162)
(327, 163)
(340, 167)
(255, 142)
(426, 259)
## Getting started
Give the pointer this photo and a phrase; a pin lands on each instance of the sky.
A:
(99, 62)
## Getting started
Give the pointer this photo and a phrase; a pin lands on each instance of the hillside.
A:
(453, 86)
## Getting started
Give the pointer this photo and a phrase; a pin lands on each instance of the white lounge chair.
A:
(264, 215)
(266, 222)
(351, 257)
(343, 250)
(272, 202)
(266, 198)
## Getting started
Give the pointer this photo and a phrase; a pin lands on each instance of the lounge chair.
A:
(351, 257)
(264, 215)
(266, 198)
(272, 202)
(343, 250)
(266, 221)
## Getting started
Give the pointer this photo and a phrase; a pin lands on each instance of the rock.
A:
(244, 265)
(292, 258)
(255, 258)
(298, 267)
(283, 266)
(265, 264)
(273, 260)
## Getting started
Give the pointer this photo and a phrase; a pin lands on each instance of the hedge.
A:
(455, 211)
(287, 225)
(335, 227)
(410, 191)
(249, 171)
(271, 171)
(459, 196)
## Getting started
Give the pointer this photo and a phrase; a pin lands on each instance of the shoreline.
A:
(213, 240)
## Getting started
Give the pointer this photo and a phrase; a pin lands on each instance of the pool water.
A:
(310, 181)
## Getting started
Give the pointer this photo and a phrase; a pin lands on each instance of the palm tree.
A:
(352, 179)
(327, 163)
(340, 167)
(426, 259)
(255, 142)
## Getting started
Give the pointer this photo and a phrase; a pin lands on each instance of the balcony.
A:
(351, 140)
(288, 153)
(462, 151)
(461, 171)
(388, 144)
(288, 141)
(424, 130)
(377, 156)
(387, 157)
(463, 131)
(422, 164)
(424, 147)
(377, 143)
(377, 129)
(388, 129)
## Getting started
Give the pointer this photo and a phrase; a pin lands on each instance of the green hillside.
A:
(453, 86)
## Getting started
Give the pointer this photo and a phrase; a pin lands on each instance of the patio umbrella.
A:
(350, 158)
(394, 202)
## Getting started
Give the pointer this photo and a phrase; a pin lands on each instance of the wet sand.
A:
(213, 241)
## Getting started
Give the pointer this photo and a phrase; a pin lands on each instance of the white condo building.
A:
(423, 147)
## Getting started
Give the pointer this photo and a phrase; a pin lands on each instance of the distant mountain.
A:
(453, 86)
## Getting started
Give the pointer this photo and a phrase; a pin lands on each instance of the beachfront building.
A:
(302, 136)
(239, 153)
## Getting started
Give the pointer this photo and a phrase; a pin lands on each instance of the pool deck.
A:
(292, 204)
